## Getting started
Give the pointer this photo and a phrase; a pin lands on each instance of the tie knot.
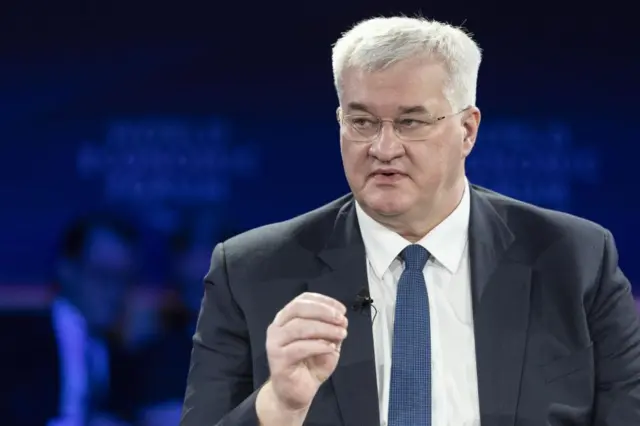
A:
(415, 257)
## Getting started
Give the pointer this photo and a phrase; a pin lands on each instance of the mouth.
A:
(387, 176)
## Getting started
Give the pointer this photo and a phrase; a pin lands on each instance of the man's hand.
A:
(303, 348)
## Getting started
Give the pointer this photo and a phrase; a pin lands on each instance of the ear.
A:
(471, 123)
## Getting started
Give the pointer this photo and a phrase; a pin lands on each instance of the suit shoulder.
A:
(307, 231)
(545, 224)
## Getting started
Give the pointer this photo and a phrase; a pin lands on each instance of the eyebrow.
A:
(419, 109)
(415, 109)
(357, 106)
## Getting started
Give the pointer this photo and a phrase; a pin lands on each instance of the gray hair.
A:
(378, 43)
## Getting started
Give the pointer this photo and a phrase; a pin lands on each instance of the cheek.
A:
(429, 161)
(458, 145)
(354, 159)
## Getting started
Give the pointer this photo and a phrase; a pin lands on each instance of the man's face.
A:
(102, 277)
(430, 168)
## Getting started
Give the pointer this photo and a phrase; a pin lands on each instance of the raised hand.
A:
(303, 348)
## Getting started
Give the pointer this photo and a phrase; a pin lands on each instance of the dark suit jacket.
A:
(557, 332)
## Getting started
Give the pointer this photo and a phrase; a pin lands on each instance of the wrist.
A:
(271, 411)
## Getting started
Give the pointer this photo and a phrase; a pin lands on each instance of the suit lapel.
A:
(501, 291)
(354, 381)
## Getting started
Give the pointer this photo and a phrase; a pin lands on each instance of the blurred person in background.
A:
(165, 360)
(69, 367)
(418, 298)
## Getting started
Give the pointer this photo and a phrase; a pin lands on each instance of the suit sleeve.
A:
(615, 331)
(220, 388)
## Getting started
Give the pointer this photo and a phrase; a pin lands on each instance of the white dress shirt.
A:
(453, 361)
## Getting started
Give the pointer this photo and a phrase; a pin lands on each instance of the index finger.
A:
(321, 298)
(311, 306)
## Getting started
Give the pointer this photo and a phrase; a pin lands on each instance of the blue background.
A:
(148, 106)
(225, 112)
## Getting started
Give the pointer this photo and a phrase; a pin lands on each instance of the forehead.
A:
(403, 85)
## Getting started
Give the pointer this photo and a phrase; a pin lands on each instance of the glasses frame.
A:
(341, 120)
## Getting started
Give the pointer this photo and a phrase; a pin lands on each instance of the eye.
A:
(363, 122)
(411, 122)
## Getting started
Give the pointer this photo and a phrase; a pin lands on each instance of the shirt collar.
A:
(446, 242)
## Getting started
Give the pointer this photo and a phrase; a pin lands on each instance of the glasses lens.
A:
(361, 128)
(365, 128)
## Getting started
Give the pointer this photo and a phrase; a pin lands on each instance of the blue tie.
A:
(410, 390)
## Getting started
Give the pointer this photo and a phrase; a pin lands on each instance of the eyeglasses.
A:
(365, 127)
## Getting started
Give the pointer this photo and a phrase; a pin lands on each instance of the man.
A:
(418, 299)
(68, 368)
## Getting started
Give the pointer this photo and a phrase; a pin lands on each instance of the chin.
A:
(386, 204)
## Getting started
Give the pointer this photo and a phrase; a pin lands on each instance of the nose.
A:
(387, 146)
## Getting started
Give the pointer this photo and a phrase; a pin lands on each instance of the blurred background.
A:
(136, 135)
